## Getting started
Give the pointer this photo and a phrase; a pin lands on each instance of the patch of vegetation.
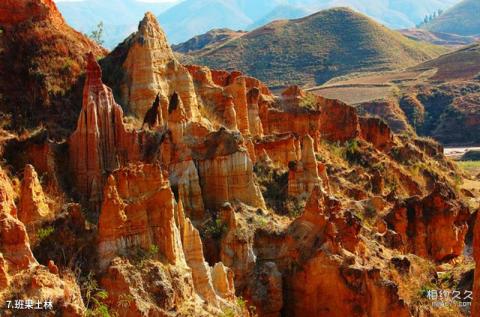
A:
(337, 150)
(241, 303)
(274, 185)
(446, 279)
(44, 233)
(68, 63)
(125, 300)
(260, 221)
(139, 255)
(215, 228)
(228, 312)
(370, 212)
(471, 167)
(352, 151)
(425, 290)
(94, 297)
(97, 34)
(429, 18)
(295, 206)
(419, 168)
(309, 102)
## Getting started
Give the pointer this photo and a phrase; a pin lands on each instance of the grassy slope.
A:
(207, 41)
(314, 49)
(460, 64)
(462, 19)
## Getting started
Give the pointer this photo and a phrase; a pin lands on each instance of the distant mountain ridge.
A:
(439, 38)
(314, 49)
(189, 18)
(462, 19)
(200, 16)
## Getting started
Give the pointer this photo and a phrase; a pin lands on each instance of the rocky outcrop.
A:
(294, 94)
(304, 174)
(149, 68)
(434, 226)
(328, 281)
(185, 182)
(222, 279)
(153, 291)
(300, 121)
(17, 263)
(4, 278)
(7, 195)
(327, 286)
(236, 251)
(281, 149)
(41, 62)
(391, 113)
(226, 171)
(193, 248)
(267, 290)
(33, 208)
(229, 178)
(14, 241)
(232, 98)
(42, 156)
(253, 100)
(376, 132)
(139, 212)
(101, 141)
(476, 281)
(338, 121)
(238, 90)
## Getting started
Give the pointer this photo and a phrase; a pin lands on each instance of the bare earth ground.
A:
(358, 89)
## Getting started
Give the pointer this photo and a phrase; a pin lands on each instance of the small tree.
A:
(97, 34)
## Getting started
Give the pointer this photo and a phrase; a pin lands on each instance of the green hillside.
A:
(462, 19)
(314, 49)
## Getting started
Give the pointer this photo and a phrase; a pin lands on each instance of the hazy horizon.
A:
(199, 16)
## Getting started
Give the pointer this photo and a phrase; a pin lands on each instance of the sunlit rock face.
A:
(139, 211)
(226, 171)
(304, 174)
(476, 282)
(434, 226)
(17, 263)
(147, 67)
(101, 142)
(33, 208)
(124, 225)
(166, 185)
(377, 132)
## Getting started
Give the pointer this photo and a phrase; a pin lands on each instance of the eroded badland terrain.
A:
(133, 185)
